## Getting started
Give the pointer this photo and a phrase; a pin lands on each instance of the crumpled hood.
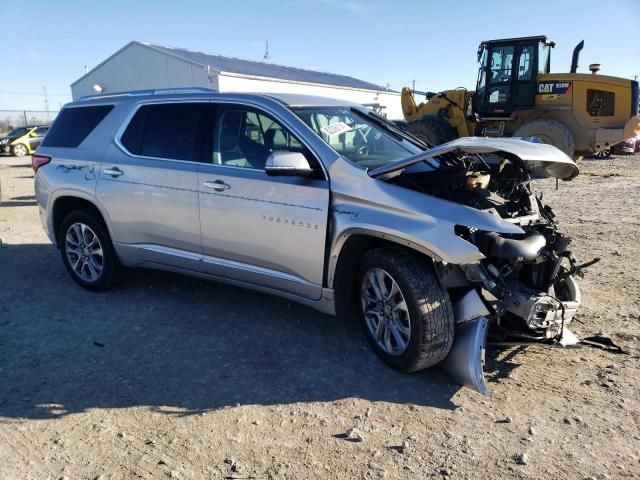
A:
(538, 159)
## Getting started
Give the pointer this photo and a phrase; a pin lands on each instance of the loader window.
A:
(544, 58)
(525, 63)
(501, 64)
(600, 103)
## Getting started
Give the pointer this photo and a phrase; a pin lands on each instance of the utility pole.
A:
(46, 103)
(266, 50)
(413, 88)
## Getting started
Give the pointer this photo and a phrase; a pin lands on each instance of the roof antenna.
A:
(266, 50)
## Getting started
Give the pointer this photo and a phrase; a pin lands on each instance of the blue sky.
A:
(434, 43)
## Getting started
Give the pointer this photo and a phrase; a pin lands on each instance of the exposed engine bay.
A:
(526, 280)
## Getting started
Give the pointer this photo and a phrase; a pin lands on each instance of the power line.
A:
(6, 92)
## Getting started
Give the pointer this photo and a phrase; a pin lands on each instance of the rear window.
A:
(165, 131)
(73, 125)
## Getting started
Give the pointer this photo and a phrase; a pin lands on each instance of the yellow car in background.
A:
(23, 140)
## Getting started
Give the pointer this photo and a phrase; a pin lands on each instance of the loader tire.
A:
(550, 132)
(432, 130)
(407, 294)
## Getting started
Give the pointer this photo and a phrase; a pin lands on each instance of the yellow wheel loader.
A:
(516, 95)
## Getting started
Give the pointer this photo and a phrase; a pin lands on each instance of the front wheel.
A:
(87, 251)
(406, 313)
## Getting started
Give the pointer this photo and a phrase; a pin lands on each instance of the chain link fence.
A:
(10, 119)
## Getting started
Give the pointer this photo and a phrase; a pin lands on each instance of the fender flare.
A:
(81, 194)
(396, 237)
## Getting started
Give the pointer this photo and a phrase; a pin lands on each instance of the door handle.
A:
(217, 185)
(113, 171)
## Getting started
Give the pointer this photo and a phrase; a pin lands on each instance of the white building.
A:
(140, 66)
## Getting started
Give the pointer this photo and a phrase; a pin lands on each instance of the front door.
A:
(148, 185)
(257, 229)
(507, 79)
(35, 138)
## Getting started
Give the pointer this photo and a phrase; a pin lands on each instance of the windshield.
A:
(362, 138)
(18, 132)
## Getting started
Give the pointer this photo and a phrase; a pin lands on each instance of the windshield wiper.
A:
(392, 128)
(394, 132)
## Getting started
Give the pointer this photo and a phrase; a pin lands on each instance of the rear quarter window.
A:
(74, 124)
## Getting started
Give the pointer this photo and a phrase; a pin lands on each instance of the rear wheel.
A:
(19, 150)
(604, 153)
(550, 132)
(406, 313)
(432, 130)
(87, 251)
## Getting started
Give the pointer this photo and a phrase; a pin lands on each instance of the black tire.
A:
(110, 264)
(430, 311)
(550, 132)
(19, 150)
(432, 130)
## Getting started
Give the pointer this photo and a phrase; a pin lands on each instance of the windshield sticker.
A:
(336, 129)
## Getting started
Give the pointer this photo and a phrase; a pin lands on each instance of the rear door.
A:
(148, 185)
(257, 229)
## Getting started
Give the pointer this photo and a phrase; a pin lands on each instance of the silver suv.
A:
(319, 201)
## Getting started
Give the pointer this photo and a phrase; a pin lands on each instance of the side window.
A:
(40, 131)
(74, 124)
(165, 131)
(525, 63)
(245, 138)
(600, 103)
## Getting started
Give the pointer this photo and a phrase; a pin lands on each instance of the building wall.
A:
(136, 67)
(235, 83)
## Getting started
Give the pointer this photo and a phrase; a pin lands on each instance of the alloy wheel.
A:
(20, 150)
(84, 252)
(385, 311)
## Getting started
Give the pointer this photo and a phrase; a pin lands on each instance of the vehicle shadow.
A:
(179, 345)
(13, 203)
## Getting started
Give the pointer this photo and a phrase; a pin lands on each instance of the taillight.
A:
(39, 160)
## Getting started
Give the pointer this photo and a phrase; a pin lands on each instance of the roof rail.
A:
(158, 91)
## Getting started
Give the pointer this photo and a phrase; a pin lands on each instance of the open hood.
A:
(538, 159)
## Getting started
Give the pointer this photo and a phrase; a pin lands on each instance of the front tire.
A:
(432, 130)
(550, 132)
(19, 150)
(87, 251)
(405, 311)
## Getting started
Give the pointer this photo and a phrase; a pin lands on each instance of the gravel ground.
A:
(173, 377)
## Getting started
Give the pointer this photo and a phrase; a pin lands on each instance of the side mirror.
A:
(283, 164)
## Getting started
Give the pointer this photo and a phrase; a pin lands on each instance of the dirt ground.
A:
(170, 377)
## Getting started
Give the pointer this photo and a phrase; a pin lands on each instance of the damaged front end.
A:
(524, 287)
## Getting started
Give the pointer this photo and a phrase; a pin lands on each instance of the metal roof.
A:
(239, 66)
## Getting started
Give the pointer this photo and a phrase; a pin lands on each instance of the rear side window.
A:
(73, 125)
(165, 131)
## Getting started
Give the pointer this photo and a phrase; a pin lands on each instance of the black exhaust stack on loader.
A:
(576, 55)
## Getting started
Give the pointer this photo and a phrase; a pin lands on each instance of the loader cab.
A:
(507, 74)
